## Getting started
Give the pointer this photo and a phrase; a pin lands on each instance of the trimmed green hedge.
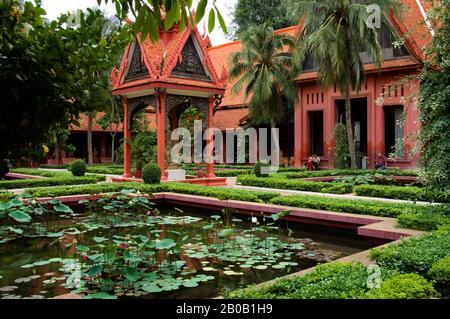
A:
(353, 206)
(330, 281)
(232, 172)
(47, 182)
(40, 172)
(426, 219)
(399, 192)
(217, 192)
(403, 286)
(105, 170)
(6, 196)
(414, 255)
(350, 172)
(283, 183)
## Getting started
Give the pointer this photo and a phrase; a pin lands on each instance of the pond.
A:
(112, 249)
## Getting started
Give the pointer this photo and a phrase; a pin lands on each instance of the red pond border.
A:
(212, 181)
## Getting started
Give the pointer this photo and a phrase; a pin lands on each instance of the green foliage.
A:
(283, 183)
(217, 192)
(263, 70)
(247, 13)
(440, 275)
(151, 174)
(329, 281)
(143, 149)
(4, 169)
(232, 172)
(149, 20)
(414, 255)
(259, 167)
(426, 219)
(400, 192)
(78, 168)
(64, 71)
(341, 154)
(434, 101)
(365, 207)
(404, 286)
(48, 182)
(350, 172)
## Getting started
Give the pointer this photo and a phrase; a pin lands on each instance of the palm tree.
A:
(263, 70)
(335, 32)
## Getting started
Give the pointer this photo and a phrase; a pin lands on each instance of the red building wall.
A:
(314, 98)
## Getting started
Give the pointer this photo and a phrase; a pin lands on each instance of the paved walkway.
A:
(284, 192)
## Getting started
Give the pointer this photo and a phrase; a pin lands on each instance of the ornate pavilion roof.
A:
(178, 61)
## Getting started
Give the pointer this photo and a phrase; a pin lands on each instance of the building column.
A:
(161, 132)
(210, 139)
(127, 140)
(298, 131)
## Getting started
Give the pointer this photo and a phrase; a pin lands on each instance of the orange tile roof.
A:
(229, 118)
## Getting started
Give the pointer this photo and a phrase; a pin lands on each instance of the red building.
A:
(378, 109)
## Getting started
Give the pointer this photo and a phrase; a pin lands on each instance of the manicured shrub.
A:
(4, 169)
(399, 192)
(283, 183)
(414, 255)
(260, 168)
(349, 172)
(78, 168)
(403, 286)
(329, 281)
(426, 219)
(353, 206)
(440, 275)
(151, 174)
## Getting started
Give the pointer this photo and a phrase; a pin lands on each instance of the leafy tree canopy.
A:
(249, 12)
(434, 102)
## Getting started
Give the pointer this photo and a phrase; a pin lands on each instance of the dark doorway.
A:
(316, 133)
(359, 121)
(393, 130)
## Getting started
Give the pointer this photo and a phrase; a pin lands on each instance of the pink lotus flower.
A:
(123, 246)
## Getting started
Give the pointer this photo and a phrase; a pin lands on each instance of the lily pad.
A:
(8, 288)
(20, 216)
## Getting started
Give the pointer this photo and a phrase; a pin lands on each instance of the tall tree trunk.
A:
(57, 149)
(349, 124)
(275, 138)
(113, 144)
(89, 138)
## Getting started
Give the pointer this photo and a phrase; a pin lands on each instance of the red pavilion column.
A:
(161, 132)
(210, 138)
(127, 137)
(298, 131)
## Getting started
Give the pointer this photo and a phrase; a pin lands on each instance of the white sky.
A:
(56, 7)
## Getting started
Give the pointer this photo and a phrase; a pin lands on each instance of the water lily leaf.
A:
(261, 267)
(226, 232)
(41, 263)
(5, 206)
(20, 216)
(190, 284)
(8, 288)
(83, 249)
(15, 202)
(27, 266)
(38, 211)
(278, 266)
(55, 235)
(209, 226)
(131, 274)
(151, 288)
(83, 202)
(62, 208)
(165, 244)
(54, 202)
(15, 230)
(94, 271)
(100, 295)
(100, 239)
